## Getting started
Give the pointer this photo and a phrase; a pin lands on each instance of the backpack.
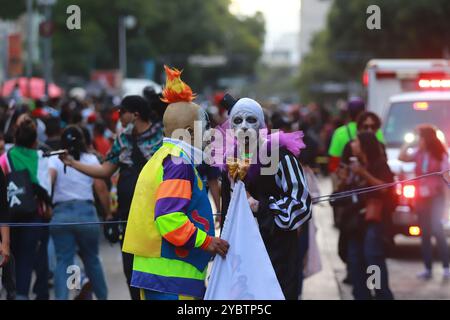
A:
(128, 178)
(22, 202)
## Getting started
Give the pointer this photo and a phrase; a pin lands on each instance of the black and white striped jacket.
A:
(293, 208)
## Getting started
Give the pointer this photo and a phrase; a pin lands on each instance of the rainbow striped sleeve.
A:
(172, 201)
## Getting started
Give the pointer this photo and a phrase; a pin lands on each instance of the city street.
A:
(403, 265)
(146, 113)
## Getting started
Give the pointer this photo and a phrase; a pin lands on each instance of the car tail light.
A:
(398, 189)
(414, 231)
(409, 191)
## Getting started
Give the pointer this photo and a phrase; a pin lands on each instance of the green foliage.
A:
(409, 29)
(12, 9)
(167, 31)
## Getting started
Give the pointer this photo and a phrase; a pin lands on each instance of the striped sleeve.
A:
(293, 208)
(172, 201)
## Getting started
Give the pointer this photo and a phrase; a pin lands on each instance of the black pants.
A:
(9, 278)
(25, 246)
(283, 249)
(127, 261)
(41, 288)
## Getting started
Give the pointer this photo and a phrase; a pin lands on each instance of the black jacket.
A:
(3, 200)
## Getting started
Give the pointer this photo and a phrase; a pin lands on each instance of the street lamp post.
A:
(29, 66)
(125, 22)
(4, 55)
(46, 32)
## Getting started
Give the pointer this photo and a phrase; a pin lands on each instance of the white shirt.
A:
(72, 185)
(195, 154)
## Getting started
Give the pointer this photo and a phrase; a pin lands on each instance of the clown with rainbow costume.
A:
(170, 228)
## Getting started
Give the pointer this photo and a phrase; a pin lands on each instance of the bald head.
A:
(180, 115)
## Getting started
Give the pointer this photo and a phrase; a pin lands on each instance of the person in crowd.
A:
(278, 121)
(13, 115)
(53, 132)
(129, 153)
(346, 133)
(309, 258)
(430, 156)
(16, 93)
(8, 277)
(281, 201)
(341, 136)
(2, 143)
(363, 223)
(170, 229)
(7, 282)
(210, 176)
(366, 122)
(308, 250)
(101, 144)
(73, 200)
(4, 230)
(26, 246)
(155, 103)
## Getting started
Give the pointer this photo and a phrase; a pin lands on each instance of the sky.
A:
(282, 16)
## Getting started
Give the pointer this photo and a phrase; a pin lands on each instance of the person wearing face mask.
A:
(366, 122)
(347, 133)
(170, 229)
(365, 246)
(280, 200)
(129, 153)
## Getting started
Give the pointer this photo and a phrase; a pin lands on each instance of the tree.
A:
(409, 29)
(166, 31)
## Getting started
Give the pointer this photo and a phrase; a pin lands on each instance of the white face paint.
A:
(245, 123)
(246, 118)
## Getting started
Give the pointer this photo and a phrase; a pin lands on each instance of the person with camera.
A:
(363, 220)
(431, 156)
(26, 169)
(365, 122)
(141, 138)
(73, 198)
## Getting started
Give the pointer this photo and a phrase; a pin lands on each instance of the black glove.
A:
(266, 220)
(113, 231)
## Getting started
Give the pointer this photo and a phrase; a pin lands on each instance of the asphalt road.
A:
(404, 262)
(403, 265)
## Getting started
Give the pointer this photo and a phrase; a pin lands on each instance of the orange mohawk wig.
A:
(176, 90)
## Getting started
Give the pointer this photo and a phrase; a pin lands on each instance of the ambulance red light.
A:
(365, 79)
(434, 83)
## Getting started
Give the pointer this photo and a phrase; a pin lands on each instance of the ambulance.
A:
(406, 93)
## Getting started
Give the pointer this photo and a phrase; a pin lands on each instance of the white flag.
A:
(246, 273)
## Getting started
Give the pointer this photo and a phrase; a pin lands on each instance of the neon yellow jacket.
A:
(170, 220)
